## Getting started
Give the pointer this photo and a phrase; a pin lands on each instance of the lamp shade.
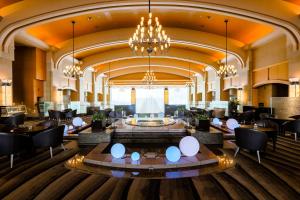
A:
(117, 150)
(173, 154)
(189, 146)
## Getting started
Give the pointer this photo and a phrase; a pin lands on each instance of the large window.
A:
(178, 95)
(120, 96)
(150, 100)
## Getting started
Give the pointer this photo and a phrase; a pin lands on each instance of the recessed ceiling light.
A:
(90, 18)
(208, 17)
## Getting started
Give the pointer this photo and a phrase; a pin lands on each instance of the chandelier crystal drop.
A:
(226, 70)
(149, 37)
(74, 70)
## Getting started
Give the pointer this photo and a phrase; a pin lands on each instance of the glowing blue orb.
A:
(117, 150)
(232, 124)
(135, 156)
(173, 154)
(77, 121)
(216, 121)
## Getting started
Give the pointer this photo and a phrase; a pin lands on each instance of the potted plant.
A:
(98, 121)
(233, 107)
(202, 122)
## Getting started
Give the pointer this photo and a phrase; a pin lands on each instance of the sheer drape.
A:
(120, 96)
(178, 95)
(150, 100)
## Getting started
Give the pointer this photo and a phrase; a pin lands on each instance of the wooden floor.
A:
(38, 177)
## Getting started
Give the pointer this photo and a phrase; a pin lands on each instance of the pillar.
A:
(166, 96)
(133, 96)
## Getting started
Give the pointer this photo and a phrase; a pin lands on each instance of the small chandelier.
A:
(149, 77)
(109, 82)
(190, 82)
(226, 70)
(149, 36)
(73, 71)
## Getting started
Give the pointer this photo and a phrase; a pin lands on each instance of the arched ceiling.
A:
(196, 27)
(177, 18)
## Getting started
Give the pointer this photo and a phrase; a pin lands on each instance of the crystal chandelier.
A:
(149, 36)
(190, 82)
(149, 77)
(226, 70)
(73, 71)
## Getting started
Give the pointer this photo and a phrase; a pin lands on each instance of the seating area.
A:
(183, 99)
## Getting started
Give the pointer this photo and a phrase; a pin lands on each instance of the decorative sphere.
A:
(117, 150)
(173, 154)
(216, 121)
(77, 121)
(232, 124)
(135, 156)
(189, 146)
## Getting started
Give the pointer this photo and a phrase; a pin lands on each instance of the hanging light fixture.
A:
(226, 70)
(149, 77)
(108, 83)
(149, 36)
(190, 82)
(73, 71)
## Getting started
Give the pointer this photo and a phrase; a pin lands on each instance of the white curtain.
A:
(178, 95)
(120, 96)
(150, 100)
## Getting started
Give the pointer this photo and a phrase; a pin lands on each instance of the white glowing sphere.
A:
(77, 121)
(232, 124)
(189, 146)
(216, 121)
(117, 150)
(135, 156)
(173, 154)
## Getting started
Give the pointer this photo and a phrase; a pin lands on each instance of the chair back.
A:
(292, 126)
(12, 143)
(46, 138)
(250, 139)
(48, 123)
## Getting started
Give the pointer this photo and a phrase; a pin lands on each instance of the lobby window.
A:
(120, 96)
(178, 95)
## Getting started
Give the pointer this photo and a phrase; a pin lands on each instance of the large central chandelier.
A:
(149, 77)
(73, 71)
(226, 70)
(149, 36)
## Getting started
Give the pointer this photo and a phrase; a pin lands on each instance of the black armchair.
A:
(251, 140)
(14, 120)
(11, 144)
(267, 123)
(49, 138)
(293, 127)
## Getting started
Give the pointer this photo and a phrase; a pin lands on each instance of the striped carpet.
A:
(38, 177)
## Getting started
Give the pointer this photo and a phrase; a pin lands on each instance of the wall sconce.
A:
(295, 82)
(6, 83)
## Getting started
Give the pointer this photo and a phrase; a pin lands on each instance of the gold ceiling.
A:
(60, 30)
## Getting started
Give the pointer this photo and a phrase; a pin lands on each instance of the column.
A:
(133, 96)
(166, 96)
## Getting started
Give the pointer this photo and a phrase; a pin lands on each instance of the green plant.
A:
(99, 116)
(202, 116)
